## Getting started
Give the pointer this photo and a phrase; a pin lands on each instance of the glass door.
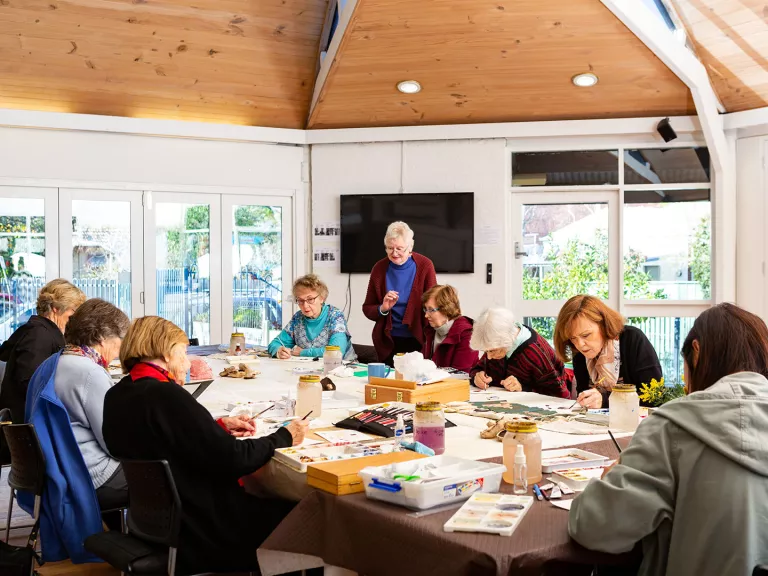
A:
(28, 251)
(182, 244)
(565, 244)
(257, 266)
(102, 245)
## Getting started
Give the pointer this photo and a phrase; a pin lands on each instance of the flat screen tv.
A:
(443, 226)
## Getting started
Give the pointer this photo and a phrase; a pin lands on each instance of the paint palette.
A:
(569, 458)
(577, 478)
(490, 513)
(298, 457)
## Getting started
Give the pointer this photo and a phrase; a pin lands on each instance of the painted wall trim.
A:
(149, 127)
(745, 119)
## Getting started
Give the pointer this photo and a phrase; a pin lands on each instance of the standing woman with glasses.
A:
(393, 300)
(315, 326)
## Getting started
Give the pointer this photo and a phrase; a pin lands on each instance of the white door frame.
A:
(228, 201)
(552, 307)
(66, 196)
(152, 201)
(50, 197)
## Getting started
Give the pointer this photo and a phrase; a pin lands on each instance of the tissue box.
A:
(388, 390)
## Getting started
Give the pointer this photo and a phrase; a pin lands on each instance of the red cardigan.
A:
(377, 287)
(454, 351)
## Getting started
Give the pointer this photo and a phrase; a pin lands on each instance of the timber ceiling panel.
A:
(491, 61)
(731, 39)
(249, 62)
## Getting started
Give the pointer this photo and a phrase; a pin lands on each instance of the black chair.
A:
(27, 466)
(154, 518)
(761, 570)
(365, 354)
(194, 342)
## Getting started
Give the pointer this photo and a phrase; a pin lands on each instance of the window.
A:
(649, 257)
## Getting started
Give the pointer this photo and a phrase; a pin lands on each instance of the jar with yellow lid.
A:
(237, 344)
(332, 359)
(429, 426)
(527, 434)
(309, 396)
(624, 408)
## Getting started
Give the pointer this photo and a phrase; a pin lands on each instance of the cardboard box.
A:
(342, 477)
(387, 390)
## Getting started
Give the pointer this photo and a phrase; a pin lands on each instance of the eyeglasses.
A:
(430, 310)
(309, 301)
(393, 249)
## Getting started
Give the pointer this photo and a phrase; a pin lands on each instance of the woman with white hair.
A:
(395, 288)
(515, 357)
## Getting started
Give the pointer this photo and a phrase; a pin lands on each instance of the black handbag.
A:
(18, 560)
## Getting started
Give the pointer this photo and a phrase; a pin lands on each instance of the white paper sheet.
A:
(564, 504)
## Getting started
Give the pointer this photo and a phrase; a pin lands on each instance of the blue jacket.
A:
(70, 511)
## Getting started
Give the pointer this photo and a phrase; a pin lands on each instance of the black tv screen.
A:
(443, 226)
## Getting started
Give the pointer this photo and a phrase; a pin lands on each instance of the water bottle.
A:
(399, 433)
(521, 471)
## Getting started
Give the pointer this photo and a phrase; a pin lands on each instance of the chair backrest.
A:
(761, 570)
(5, 418)
(365, 353)
(154, 508)
(27, 460)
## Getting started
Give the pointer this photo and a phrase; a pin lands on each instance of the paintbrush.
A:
(595, 386)
(262, 412)
(614, 441)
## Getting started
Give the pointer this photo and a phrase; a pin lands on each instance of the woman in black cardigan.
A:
(36, 341)
(604, 351)
(148, 416)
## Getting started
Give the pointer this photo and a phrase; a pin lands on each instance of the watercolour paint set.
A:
(298, 457)
(490, 513)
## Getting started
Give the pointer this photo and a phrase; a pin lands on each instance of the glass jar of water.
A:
(429, 426)
(332, 359)
(624, 408)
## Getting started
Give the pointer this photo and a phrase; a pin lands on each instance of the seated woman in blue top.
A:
(315, 326)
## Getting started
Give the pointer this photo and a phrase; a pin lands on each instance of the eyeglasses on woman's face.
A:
(310, 300)
(430, 310)
(397, 249)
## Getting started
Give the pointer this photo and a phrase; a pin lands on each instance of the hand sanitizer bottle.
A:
(399, 433)
(521, 471)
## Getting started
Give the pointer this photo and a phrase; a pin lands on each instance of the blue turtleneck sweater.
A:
(400, 279)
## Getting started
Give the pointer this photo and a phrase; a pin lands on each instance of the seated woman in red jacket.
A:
(516, 357)
(446, 339)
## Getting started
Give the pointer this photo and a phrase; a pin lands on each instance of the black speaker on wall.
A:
(665, 130)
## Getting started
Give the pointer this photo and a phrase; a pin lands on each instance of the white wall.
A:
(477, 166)
(102, 157)
(751, 218)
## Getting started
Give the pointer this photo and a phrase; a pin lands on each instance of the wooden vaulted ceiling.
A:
(491, 61)
(228, 61)
(731, 39)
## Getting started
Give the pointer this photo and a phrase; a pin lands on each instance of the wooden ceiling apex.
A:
(491, 61)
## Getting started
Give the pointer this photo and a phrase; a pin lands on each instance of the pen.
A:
(614, 441)
(537, 491)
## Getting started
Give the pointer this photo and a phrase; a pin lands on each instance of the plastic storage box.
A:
(423, 484)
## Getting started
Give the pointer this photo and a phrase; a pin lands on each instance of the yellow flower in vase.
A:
(653, 393)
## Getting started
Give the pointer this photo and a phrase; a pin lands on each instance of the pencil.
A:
(614, 441)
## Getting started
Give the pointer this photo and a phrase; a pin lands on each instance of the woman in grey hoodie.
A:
(693, 484)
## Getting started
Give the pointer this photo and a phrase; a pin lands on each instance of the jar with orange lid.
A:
(309, 396)
(429, 426)
(527, 434)
(624, 408)
(332, 359)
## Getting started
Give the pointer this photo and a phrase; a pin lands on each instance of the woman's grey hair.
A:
(399, 230)
(95, 321)
(495, 328)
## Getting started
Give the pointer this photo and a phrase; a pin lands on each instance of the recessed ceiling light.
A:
(584, 80)
(409, 87)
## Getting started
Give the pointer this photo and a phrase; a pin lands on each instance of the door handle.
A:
(519, 253)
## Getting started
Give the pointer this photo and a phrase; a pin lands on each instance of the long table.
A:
(358, 534)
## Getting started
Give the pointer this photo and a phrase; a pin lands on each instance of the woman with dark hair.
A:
(693, 483)
(604, 351)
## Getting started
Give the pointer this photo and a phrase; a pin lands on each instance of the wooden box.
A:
(341, 477)
(387, 390)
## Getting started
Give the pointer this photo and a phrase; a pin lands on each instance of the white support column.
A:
(662, 42)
